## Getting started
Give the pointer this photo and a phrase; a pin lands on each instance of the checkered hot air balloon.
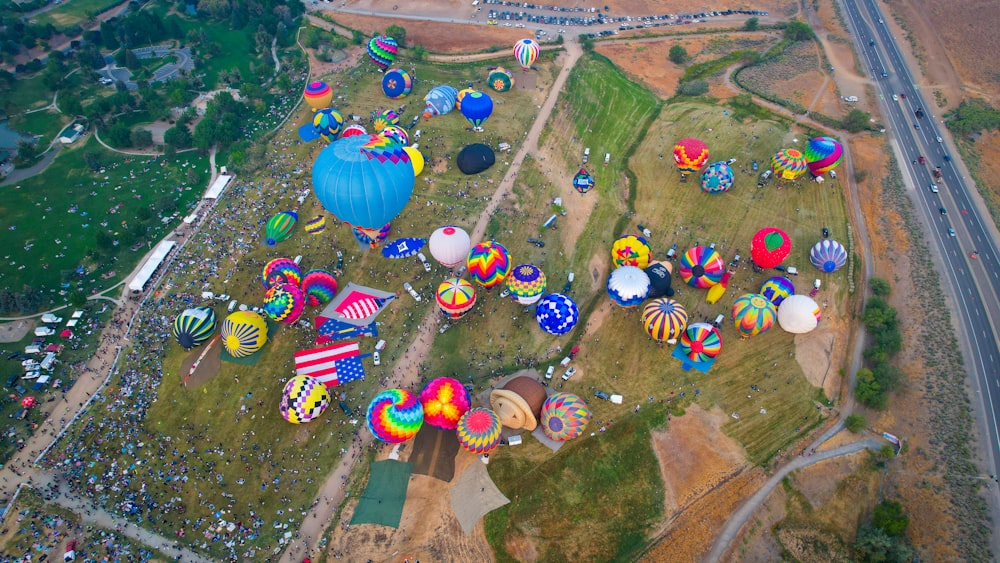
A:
(384, 119)
(478, 430)
(557, 314)
(488, 263)
(395, 415)
(281, 270)
(456, 297)
(777, 289)
(396, 83)
(526, 283)
(280, 226)
(382, 51)
(753, 314)
(564, 416)
(243, 333)
(194, 326)
(396, 133)
(319, 287)
(717, 178)
(701, 342)
(664, 319)
(303, 399)
(284, 303)
(701, 267)
(444, 401)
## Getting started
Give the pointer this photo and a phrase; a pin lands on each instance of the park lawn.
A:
(73, 12)
(53, 217)
(46, 124)
(27, 93)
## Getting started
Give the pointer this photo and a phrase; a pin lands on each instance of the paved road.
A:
(974, 284)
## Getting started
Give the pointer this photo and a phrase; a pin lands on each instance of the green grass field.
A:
(73, 12)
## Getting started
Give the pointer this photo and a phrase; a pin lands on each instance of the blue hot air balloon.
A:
(828, 255)
(477, 107)
(365, 180)
(440, 100)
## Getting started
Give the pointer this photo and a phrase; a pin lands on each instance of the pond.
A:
(9, 137)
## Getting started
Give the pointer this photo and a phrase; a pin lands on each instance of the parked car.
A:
(376, 358)
(602, 395)
(536, 242)
(569, 373)
(826, 232)
(549, 372)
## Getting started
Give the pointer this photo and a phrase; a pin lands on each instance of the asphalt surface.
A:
(963, 241)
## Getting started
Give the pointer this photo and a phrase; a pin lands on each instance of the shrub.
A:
(855, 423)
(693, 88)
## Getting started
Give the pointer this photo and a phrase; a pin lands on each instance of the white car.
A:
(549, 372)
(444, 327)
(423, 260)
(940, 140)
(409, 289)
(376, 359)
(569, 373)
(895, 98)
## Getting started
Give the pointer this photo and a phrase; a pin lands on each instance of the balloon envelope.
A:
(664, 319)
(690, 155)
(281, 270)
(777, 289)
(194, 326)
(631, 250)
(318, 94)
(717, 178)
(416, 158)
(444, 401)
(788, 164)
(701, 267)
(659, 279)
(450, 245)
(526, 283)
(478, 430)
(365, 181)
(828, 256)
(477, 108)
(583, 182)
(243, 333)
(769, 247)
(316, 225)
(440, 100)
(396, 83)
(382, 51)
(279, 227)
(384, 119)
(526, 51)
(557, 314)
(628, 286)
(353, 130)
(488, 263)
(564, 416)
(500, 79)
(403, 247)
(823, 154)
(303, 399)
(284, 303)
(455, 297)
(753, 314)
(398, 134)
(798, 314)
(475, 158)
(319, 287)
(701, 342)
(328, 122)
(395, 415)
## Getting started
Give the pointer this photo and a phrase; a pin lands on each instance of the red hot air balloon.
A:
(769, 247)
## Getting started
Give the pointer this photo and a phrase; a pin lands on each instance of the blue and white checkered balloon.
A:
(557, 314)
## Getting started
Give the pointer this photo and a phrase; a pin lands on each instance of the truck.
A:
(49, 318)
(586, 155)
(937, 173)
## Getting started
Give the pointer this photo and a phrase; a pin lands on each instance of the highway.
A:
(953, 216)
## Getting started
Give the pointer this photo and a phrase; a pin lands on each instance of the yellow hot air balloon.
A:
(243, 333)
(416, 158)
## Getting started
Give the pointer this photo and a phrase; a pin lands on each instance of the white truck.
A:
(423, 260)
(49, 318)
(409, 289)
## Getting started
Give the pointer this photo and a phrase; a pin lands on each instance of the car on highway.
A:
(934, 189)
(943, 211)
(916, 126)
(895, 98)
(951, 232)
(940, 140)
(902, 96)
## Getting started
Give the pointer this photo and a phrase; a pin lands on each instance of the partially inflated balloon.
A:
(690, 155)
(396, 83)
(477, 108)
(444, 400)
(384, 119)
(243, 333)
(328, 123)
(318, 95)
(319, 286)
(489, 263)
(194, 326)
(395, 415)
(281, 270)
(500, 79)
(416, 158)
(382, 51)
(284, 303)
(353, 130)
(823, 154)
(788, 164)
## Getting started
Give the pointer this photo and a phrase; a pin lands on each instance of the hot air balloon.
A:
(319, 287)
(828, 255)
(328, 122)
(279, 227)
(518, 403)
(690, 154)
(382, 51)
(403, 247)
(397, 134)
(526, 51)
(798, 314)
(583, 182)
(284, 303)
(384, 119)
(365, 181)
(702, 267)
(352, 130)
(456, 297)
(777, 289)
(444, 401)
(194, 326)
(628, 286)
(318, 95)
(281, 270)
(823, 154)
(416, 159)
(526, 284)
(753, 314)
(717, 178)
(769, 247)
(701, 342)
(664, 319)
(564, 416)
(488, 263)
(396, 83)
(303, 399)
(788, 164)
(718, 290)
(440, 100)
(500, 79)
(461, 94)
(371, 237)
(316, 225)
(631, 250)
(557, 314)
(243, 333)
(478, 430)
(450, 245)
(477, 107)
(475, 158)
(395, 415)
(659, 279)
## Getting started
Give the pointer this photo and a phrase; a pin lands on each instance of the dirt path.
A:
(406, 373)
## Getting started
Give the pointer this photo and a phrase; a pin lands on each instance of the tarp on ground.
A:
(382, 501)
(434, 453)
(357, 305)
(474, 495)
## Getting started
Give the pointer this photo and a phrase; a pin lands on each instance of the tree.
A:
(868, 391)
(142, 138)
(872, 544)
(357, 37)
(398, 33)
(678, 54)
(890, 518)
(798, 31)
(586, 41)
(178, 137)
(751, 24)
(855, 423)
(880, 287)
(77, 298)
(856, 120)
(118, 135)
(418, 53)
(693, 88)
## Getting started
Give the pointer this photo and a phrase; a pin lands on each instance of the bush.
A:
(880, 287)
(798, 31)
(398, 33)
(751, 24)
(973, 116)
(890, 518)
(855, 423)
(693, 88)
(856, 120)
(678, 54)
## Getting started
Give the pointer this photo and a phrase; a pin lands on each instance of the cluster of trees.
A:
(16, 34)
(883, 539)
(222, 123)
(973, 116)
(879, 377)
(26, 301)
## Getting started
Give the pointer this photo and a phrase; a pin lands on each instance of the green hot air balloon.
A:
(280, 226)
(194, 326)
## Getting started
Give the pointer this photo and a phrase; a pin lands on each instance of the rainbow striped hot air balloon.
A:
(823, 154)
(701, 342)
(382, 51)
(395, 415)
(396, 83)
(316, 225)
(280, 226)
(664, 319)
(701, 267)
(526, 284)
(777, 289)
(488, 263)
(284, 303)
(243, 333)
(281, 270)
(194, 326)
(526, 51)
(564, 416)
(631, 250)
(788, 164)
(753, 314)
(303, 399)
(319, 287)
(318, 95)
(456, 297)
(690, 155)
(444, 400)
(478, 430)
